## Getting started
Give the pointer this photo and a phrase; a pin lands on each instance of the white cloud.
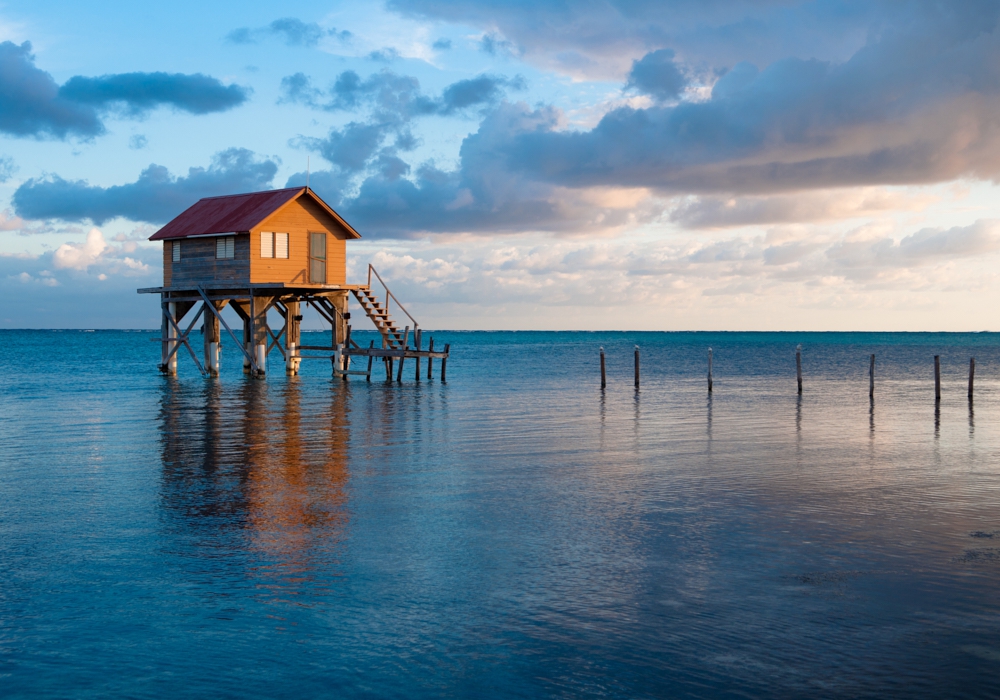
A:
(96, 251)
(44, 278)
(80, 256)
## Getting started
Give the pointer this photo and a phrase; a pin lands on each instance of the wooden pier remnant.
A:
(604, 376)
(637, 368)
(972, 375)
(798, 366)
(871, 377)
(710, 370)
(275, 251)
(937, 377)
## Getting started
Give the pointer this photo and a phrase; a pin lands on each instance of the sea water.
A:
(514, 532)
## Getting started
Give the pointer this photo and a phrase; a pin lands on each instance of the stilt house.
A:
(265, 251)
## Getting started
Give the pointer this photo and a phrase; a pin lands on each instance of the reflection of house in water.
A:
(249, 464)
(278, 251)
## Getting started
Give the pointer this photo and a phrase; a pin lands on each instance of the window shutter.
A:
(266, 244)
(225, 247)
(176, 252)
(281, 245)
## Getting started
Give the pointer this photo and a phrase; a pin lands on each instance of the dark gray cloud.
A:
(31, 104)
(393, 102)
(601, 38)
(155, 197)
(293, 31)
(395, 98)
(477, 197)
(138, 93)
(657, 75)
(919, 104)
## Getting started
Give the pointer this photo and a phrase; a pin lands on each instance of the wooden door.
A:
(317, 258)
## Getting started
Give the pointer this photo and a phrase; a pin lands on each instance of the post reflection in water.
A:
(252, 473)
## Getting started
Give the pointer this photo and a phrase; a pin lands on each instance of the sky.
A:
(634, 165)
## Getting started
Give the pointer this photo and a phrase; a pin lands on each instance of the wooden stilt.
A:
(406, 340)
(416, 360)
(430, 360)
(211, 330)
(293, 337)
(444, 364)
(346, 362)
(171, 336)
(371, 358)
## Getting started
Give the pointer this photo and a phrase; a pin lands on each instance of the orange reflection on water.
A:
(255, 458)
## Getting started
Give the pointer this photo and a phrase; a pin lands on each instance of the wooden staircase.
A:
(392, 336)
(379, 316)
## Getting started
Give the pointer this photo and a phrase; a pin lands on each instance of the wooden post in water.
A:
(406, 340)
(710, 370)
(171, 335)
(871, 377)
(430, 360)
(210, 327)
(604, 378)
(371, 358)
(416, 360)
(444, 364)
(937, 377)
(798, 366)
(637, 368)
(972, 374)
(293, 337)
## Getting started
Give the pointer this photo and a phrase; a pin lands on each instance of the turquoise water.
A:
(515, 532)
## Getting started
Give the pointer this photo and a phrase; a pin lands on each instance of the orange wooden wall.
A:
(298, 219)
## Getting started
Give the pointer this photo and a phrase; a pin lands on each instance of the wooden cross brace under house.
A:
(273, 251)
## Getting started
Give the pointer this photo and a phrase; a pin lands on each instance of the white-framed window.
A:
(225, 247)
(273, 245)
(175, 253)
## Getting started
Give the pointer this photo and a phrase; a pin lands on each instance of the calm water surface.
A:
(512, 533)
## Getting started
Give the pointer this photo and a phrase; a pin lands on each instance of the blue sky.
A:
(665, 165)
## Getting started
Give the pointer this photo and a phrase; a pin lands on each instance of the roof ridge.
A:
(247, 194)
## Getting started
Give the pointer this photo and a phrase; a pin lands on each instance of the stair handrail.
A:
(389, 295)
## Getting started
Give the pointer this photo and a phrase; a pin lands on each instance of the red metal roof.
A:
(233, 213)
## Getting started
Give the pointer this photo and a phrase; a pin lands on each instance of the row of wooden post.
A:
(798, 372)
(389, 361)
